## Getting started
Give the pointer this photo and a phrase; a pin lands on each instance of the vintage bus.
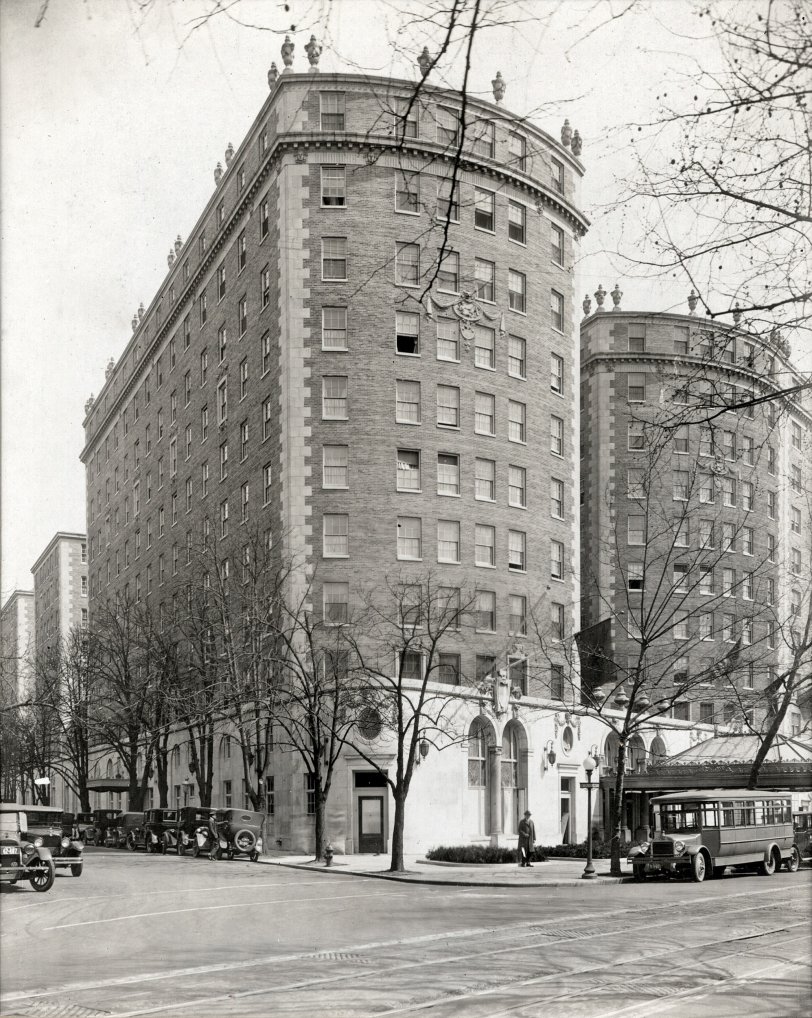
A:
(701, 833)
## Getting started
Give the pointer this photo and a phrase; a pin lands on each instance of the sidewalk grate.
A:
(356, 959)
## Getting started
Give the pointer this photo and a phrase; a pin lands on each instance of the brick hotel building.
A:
(288, 373)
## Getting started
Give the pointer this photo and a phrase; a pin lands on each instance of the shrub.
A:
(477, 854)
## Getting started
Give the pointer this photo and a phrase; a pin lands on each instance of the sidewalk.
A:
(553, 873)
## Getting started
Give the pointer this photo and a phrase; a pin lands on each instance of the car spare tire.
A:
(244, 841)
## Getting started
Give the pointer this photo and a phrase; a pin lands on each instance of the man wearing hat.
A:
(527, 838)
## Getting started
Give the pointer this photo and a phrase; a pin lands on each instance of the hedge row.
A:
(498, 854)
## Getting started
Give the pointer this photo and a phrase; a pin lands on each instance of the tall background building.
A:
(60, 591)
(695, 508)
(16, 646)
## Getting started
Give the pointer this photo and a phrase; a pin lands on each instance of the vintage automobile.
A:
(20, 857)
(236, 832)
(190, 819)
(81, 822)
(130, 831)
(102, 829)
(802, 825)
(161, 829)
(54, 829)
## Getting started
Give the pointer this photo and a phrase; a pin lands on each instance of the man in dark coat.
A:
(527, 838)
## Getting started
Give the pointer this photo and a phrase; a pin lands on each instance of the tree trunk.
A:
(768, 739)
(617, 811)
(163, 776)
(398, 827)
(321, 804)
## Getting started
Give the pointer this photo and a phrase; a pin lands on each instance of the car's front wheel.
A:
(767, 868)
(794, 862)
(699, 867)
(42, 875)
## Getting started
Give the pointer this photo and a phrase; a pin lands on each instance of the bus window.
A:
(710, 815)
(729, 816)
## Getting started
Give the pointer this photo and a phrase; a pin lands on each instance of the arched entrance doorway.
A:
(480, 740)
(514, 776)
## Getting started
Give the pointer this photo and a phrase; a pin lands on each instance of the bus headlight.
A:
(37, 842)
(679, 847)
(65, 842)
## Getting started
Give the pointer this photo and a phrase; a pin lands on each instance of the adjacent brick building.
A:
(695, 506)
(16, 646)
(60, 591)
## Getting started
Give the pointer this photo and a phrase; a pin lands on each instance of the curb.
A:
(420, 879)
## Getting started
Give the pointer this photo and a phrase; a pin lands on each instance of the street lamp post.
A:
(590, 765)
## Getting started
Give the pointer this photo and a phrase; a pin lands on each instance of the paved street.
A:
(141, 935)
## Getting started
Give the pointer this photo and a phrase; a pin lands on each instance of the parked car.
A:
(190, 819)
(101, 830)
(81, 822)
(802, 825)
(130, 831)
(20, 858)
(161, 829)
(53, 829)
(237, 832)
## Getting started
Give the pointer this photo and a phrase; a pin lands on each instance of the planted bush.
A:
(478, 854)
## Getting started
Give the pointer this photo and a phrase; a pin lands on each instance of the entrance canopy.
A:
(108, 785)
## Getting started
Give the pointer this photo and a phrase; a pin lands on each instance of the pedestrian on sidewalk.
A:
(527, 839)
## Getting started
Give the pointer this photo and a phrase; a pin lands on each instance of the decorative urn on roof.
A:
(229, 153)
(577, 144)
(587, 306)
(140, 311)
(170, 258)
(134, 322)
(89, 403)
(218, 173)
(566, 134)
(600, 296)
(692, 302)
(273, 74)
(499, 87)
(313, 51)
(287, 53)
(424, 61)
(178, 244)
(617, 296)
(108, 371)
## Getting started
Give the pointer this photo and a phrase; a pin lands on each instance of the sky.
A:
(113, 115)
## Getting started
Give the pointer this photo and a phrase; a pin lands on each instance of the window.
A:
(204, 423)
(518, 615)
(336, 541)
(795, 478)
(448, 201)
(448, 670)
(729, 490)
(680, 577)
(204, 366)
(636, 482)
(407, 333)
(706, 580)
(448, 125)
(244, 492)
(707, 489)
(224, 461)
(485, 545)
(680, 630)
(448, 473)
(407, 192)
(795, 520)
(406, 120)
(448, 274)
(772, 504)
(707, 534)
(484, 347)
(557, 244)
(517, 413)
(267, 481)
(747, 540)
(331, 106)
(334, 397)
(681, 442)
(335, 469)
(728, 537)
(265, 286)
(243, 378)
(224, 518)
(483, 136)
(336, 598)
(484, 210)
(517, 222)
(637, 338)
(517, 357)
(636, 439)
(556, 436)
(242, 252)
(747, 495)
(517, 145)
(557, 310)
(222, 401)
(410, 541)
(637, 387)
(557, 560)
(201, 310)
(204, 479)
(517, 291)
(795, 562)
(187, 388)
(448, 406)
(796, 435)
(484, 277)
(747, 632)
(634, 577)
(485, 480)
(486, 618)
(484, 413)
(556, 498)
(556, 374)
(682, 485)
(334, 258)
(448, 541)
(242, 316)
(408, 470)
(333, 188)
(448, 340)
(517, 554)
(187, 335)
(407, 401)
(188, 494)
(557, 175)
(636, 529)
(265, 351)
(221, 282)
(160, 425)
(407, 264)
(706, 626)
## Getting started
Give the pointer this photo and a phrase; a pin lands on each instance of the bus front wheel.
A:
(699, 867)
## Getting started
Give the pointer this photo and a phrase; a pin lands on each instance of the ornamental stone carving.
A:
(424, 62)
(140, 311)
(89, 403)
(566, 134)
(134, 322)
(587, 306)
(218, 173)
(273, 74)
(170, 258)
(737, 313)
(287, 53)
(301, 155)
(577, 144)
(600, 296)
(178, 244)
(108, 371)
(229, 153)
(616, 295)
(499, 87)
(692, 302)
(468, 312)
(313, 51)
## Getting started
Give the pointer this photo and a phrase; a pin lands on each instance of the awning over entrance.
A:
(108, 785)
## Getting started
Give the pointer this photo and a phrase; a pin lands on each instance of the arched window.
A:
(480, 738)
(728, 713)
(514, 775)
(636, 756)
(176, 757)
(658, 750)
(610, 751)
